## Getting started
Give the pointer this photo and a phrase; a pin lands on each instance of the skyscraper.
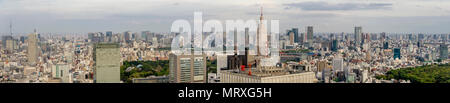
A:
(366, 38)
(109, 36)
(247, 38)
(383, 36)
(4, 39)
(296, 37)
(334, 45)
(443, 48)
(32, 49)
(127, 36)
(397, 53)
(107, 63)
(444, 37)
(22, 39)
(262, 41)
(145, 35)
(410, 37)
(9, 43)
(109, 33)
(421, 37)
(309, 34)
(291, 37)
(187, 68)
(302, 38)
(386, 45)
(358, 33)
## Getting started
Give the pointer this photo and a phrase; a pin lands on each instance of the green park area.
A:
(422, 74)
(142, 69)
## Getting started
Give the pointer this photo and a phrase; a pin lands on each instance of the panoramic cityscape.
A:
(290, 41)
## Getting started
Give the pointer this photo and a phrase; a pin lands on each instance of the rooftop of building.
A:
(267, 71)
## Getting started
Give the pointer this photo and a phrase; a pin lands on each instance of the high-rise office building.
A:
(374, 37)
(444, 37)
(134, 36)
(338, 64)
(109, 33)
(106, 63)
(383, 36)
(435, 37)
(291, 37)
(22, 39)
(419, 44)
(443, 48)
(410, 37)
(247, 38)
(127, 36)
(296, 37)
(187, 68)
(397, 53)
(358, 33)
(109, 36)
(155, 42)
(386, 45)
(309, 34)
(366, 38)
(334, 45)
(146, 35)
(33, 51)
(421, 36)
(302, 38)
(4, 39)
(96, 37)
(9, 43)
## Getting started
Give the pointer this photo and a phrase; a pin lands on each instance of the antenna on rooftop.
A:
(10, 27)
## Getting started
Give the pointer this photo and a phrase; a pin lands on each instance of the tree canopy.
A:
(421, 74)
(148, 68)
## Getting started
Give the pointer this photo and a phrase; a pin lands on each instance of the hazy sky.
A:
(401, 16)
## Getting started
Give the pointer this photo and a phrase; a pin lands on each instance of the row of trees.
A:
(422, 74)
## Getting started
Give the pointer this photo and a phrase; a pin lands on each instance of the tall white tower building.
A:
(262, 41)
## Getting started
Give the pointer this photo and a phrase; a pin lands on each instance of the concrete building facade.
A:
(107, 63)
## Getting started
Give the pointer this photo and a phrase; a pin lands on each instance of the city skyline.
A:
(149, 57)
(80, 16)
(223, 50)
